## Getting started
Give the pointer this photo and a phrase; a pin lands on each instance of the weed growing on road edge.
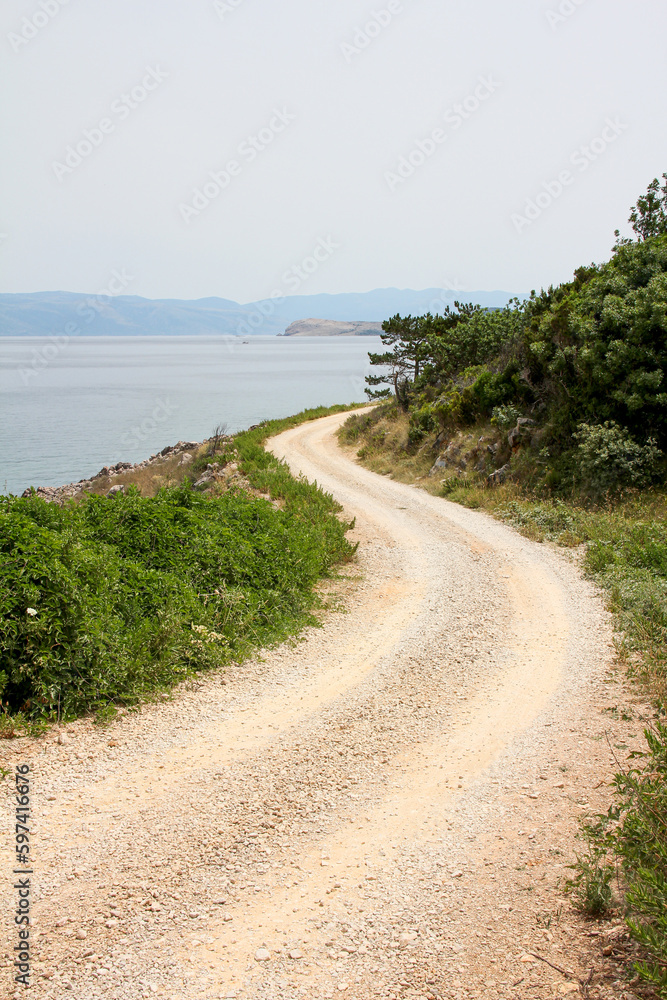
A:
(591, 885)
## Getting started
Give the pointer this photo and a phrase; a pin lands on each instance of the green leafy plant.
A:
(608, 457)
(504, 417)
(106, 601)
(591, 886)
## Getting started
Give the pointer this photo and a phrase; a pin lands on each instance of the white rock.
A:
(262, 955)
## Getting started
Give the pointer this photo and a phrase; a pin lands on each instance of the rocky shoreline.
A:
(59, 494)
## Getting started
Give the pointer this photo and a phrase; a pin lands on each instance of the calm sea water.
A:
(66, 410)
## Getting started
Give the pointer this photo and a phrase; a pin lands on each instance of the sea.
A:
(70, 406)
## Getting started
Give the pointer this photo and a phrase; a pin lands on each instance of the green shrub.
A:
(608, 457)
(505, 417)
(591, 886)
(116, 597)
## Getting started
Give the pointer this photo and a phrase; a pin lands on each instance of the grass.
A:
(111, 600)
(382, 441)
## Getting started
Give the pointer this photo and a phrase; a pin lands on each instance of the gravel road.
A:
(384, 808)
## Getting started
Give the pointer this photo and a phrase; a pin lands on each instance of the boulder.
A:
(185, 459)
(499, 476)
(115, 490)
(450, 458)
(521, 433)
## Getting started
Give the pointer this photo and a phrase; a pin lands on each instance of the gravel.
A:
(385, 807)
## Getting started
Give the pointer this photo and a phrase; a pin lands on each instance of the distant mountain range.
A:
(42, 314)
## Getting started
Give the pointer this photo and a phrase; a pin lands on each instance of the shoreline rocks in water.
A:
(59, 494)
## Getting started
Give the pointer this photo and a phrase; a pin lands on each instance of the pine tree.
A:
(407, 339)
(649, 216)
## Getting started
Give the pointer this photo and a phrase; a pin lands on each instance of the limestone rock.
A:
(451, 458)
(521, 433)
(499, 476)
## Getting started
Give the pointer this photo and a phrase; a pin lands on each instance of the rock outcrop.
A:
(60, 494)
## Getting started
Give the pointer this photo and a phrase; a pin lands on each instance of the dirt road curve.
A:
(381, 810)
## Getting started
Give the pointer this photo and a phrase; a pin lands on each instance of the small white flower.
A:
(31, 612)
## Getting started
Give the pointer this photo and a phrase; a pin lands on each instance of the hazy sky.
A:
(404, 139)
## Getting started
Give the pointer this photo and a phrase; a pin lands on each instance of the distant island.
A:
(331, 328)
(107, 314)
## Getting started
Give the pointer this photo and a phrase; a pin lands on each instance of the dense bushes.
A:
(109, 599)
(589, 353)
(607, 457)
(595, 349)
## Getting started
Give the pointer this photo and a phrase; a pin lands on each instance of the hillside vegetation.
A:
(552, 415)
(109, 599)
